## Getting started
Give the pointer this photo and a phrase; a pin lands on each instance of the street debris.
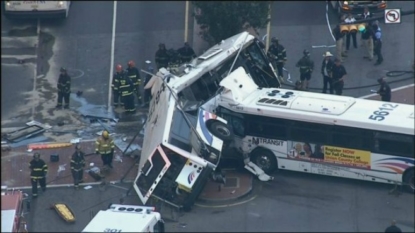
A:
(91, 164)
(61, 169)
(24, 133)
(88, 187)
(45, 126)
(122, 145)
(75, 140)
(50, 145)
(118, 159)
(64, 212)
(28, 141)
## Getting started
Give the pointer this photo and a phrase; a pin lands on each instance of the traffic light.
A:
(346, 28)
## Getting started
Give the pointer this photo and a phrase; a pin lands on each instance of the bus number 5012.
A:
(382, 112)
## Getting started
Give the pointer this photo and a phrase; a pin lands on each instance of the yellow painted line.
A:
(228, 205)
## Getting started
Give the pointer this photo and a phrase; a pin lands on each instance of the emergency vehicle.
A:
(12, 211)
(181, 151)
(126, 218)
(318, 133)
(36, 9)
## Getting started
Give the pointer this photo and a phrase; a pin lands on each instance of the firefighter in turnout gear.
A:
(278, 56)
(162, 57)
(126, 90)
(174, 59)
(77, 166)
(306, 66)
(186, 53)
(64, 89)
(105, 147)
(38, 173)
(134, 75)
(115, 85)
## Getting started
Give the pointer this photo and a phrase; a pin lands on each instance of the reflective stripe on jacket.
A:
(104, 146)
(38, 169)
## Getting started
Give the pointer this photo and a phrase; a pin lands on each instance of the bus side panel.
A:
(198, 187)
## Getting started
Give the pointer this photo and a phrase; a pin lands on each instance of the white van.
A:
(126, 218)
(36, 9)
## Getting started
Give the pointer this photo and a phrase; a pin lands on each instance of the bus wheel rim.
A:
(263, 161)
(223, 130)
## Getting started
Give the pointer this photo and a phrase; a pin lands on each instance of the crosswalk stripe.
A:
(20, 57)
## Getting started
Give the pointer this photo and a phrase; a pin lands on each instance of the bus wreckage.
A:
(183, 137)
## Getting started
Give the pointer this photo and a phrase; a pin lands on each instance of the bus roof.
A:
(122, 221)
(243, 97)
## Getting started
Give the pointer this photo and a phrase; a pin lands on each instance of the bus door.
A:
(151, 173)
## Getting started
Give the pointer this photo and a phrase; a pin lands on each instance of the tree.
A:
(221, 20)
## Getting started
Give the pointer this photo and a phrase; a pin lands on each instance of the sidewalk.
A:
(238, 185)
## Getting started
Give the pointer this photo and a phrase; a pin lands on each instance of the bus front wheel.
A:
(409, 180)
(264, 159)
(220, 130)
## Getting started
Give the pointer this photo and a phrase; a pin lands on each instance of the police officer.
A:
(134, 75)
(162, 57)
(339, 74)
(277, 55)
(384, 90)
(186, 53)
(377, 44)
(77, 166)
(126, 90)
(105, 147)
(38, 173)
(306, 66)
(116, 84)
(64, 89)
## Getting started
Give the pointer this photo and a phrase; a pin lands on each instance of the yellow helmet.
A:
(105, 134)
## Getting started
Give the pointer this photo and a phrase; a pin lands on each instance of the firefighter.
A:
(306, 66)
(77, 166)
(277, 55)
(64, 89)
(38, 173)
(126, 90)
(186, 53)
(134, 75)
(384, 90)
(105, 147)
(162, 57)
(174, 59)
(116, 84)
(147, 92)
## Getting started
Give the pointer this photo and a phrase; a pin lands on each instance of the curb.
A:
(226, 200)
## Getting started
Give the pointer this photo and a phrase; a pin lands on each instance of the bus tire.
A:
(264, 159)
(409, 180)
(220, 130)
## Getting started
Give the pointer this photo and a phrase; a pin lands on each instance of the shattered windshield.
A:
(254, 61)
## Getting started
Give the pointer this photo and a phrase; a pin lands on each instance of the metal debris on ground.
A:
(88, 187)
(122, 145)
(75, 140)
(29, 141)
(118, 159)
(24, 133)
(45, 126)
(61, 168)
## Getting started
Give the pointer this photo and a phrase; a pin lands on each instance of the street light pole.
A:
(268, 28)
(186, 22)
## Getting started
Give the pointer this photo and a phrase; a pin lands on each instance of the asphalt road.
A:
(301, 25)
(293, 202)
(82, 44)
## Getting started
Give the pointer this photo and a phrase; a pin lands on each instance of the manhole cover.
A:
(231, 182)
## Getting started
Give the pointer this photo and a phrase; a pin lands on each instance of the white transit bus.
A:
(319, 133)
(179, 152)
(36, 9)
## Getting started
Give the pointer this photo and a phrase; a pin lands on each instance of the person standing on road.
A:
(377, 43)
(339, 74)
(384, 90)
(278, 56)
(39, 169)
(367, 38)
(352, 33)
(162, 57)
(127, 90)
(116, 84)
(186, 53)
(326, 71)
(393, 228)
(338, 35)
(64, 89)
(306, 66)
(77, 166)
(134, 75)
(105, 147)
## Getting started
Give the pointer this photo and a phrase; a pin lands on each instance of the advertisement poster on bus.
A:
(329, 154)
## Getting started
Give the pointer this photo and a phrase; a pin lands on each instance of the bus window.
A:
(238, 126)
(308, 132)
(352, 138)
(266, 127)
(394, 144)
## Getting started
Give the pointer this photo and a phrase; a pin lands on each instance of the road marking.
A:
(228, 205)
(186, 22)
(395, 89)
(331, 33)
(114, 22)
(35, 65)
(20, 57)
